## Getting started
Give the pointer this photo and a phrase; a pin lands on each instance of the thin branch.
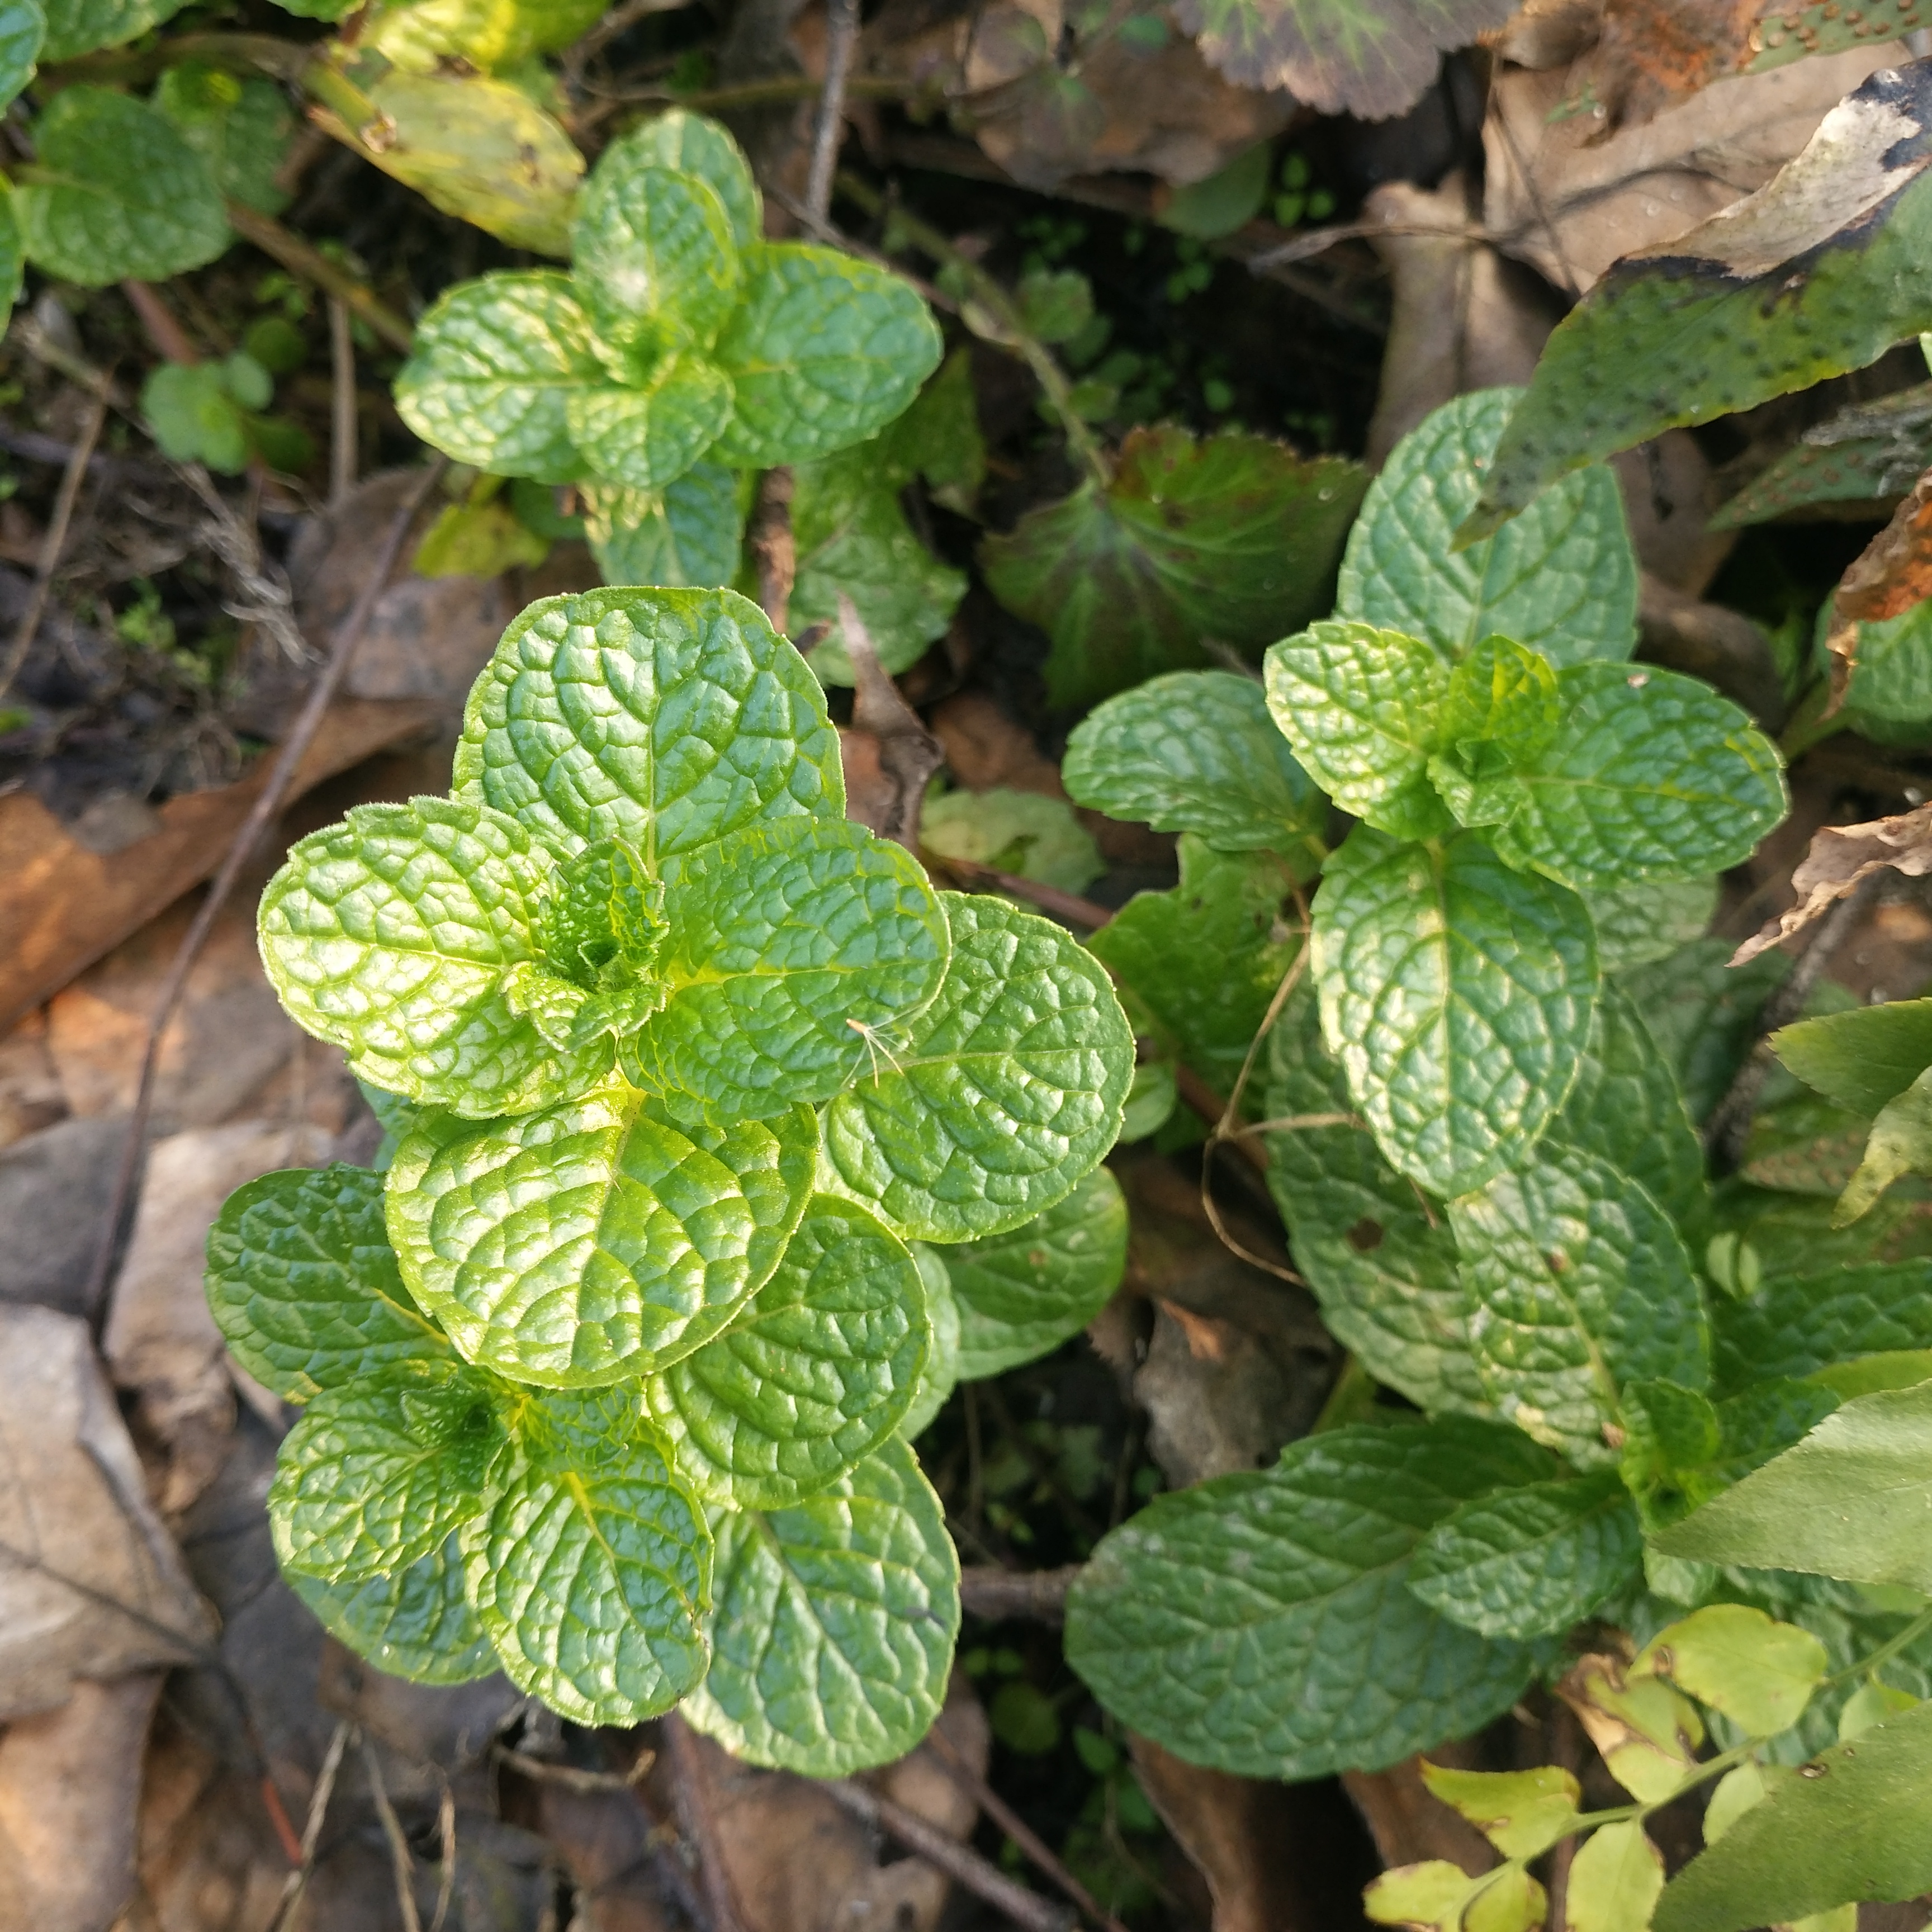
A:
(311, 265)
(445, 1835)
(841, 36)
(960, 1863)
(342, 462)
(163, 325)
(990, 1591)
(568, 1777)
(297, 1881)
(694, 1807)
(53, 544)
(400, 1860)
(261, 815)
(1016, 1828)
(975, 878)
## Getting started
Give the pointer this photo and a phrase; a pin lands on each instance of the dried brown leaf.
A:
(1841, 858)
(1891, 573)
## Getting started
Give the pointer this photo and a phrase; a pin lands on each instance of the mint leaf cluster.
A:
(1480, 1148)
(679, 336)
(605, 1381)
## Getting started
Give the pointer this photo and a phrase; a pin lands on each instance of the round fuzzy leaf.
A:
(649, 435)
(304, 1285)
(415, 1623)
(822, 351)
(1022, 1293)
(76, 27)
(653, 256)
(1007, 1091)
(835, 1625)
(495, 365)
(817, 1372)
(664, 717)
(23, 27)
(375, 1475)
(595, 1240)
(1561, 578)
(795, 948)
(1197, 752)
(691, 145)
(1457, 994)
(592, 1575)
(688, 533)
(393, 934)
(121, 195)
(1650, 776)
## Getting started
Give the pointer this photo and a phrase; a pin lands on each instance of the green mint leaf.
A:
(687, 533)
(121, 194)
(1232, 537)
(495, 364)
(797, 950)
(652, 253)
(645, 436)
(851, 534)
(936, 1380)
(606, 910)
(375, 1475)
(835, 1623)
(1197, 752)
(1020, 1294)
(1796, 1324)
(1380, 1259)
(304, 1285)
(1637, 926)
(1850, 1826)
(1703, 1015)
(241, 128)
(691, 145)
(191, 415)
(1852, 1500)
(1862, 1058)
(1560, 578)
(76, 27)
(816, 1373)
(1457, 994)
(415, 1623)
(1360, 707)
(1531, 1562)
(13, 251)
(939, 437)
(595, 1240)
(822, 351)
(1652, 776)
(1259, 1624)
(1024, 832)
(1714, 323)
(1227, 907)
(1579, 1284)
(665, 718)
(23, 27)
(1503, 695)
(592, 1573)
(394, 934)
(1625, 1110)
(997, 1099)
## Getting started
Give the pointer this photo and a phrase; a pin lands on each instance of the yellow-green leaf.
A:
(1760, 1674)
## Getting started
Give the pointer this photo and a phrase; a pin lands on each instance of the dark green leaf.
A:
(1233, 537)
(116, 193)
(1260, 1623)
(1869, 451)
(1561, 578)
(1637, 926)
(994, 1103)
(1815, 275)
(1197, 752)
(1024, 832)
(1703, 1015)
(241, 128)
(304, 1285)
(415, 1624)
(818, 1370)
(596, 1240)
(835, 1623)
(1796, 1324)
(23, 27)
(1457, 995)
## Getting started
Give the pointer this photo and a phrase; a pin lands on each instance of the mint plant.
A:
(603, 1380)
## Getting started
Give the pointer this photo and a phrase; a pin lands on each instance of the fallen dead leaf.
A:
(30, 1092)
(1891, 573)
(1560, 196)
(70, 1782)
(56, 1188)
(1842, 857)
(91, 1584)
(161, 1342)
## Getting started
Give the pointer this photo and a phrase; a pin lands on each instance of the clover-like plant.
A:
(604, 1380)
(679, 335)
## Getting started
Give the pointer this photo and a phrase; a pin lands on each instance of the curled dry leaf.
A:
(1891, 573)
(1841, 858)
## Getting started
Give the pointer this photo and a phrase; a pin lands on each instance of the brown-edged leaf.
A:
(1891, 573)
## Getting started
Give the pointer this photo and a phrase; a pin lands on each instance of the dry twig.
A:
(399, 1846)
(841, 36)
(774, 549)
(342, 464)
(991, 1590)
(54, 543)
(297, 1881)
